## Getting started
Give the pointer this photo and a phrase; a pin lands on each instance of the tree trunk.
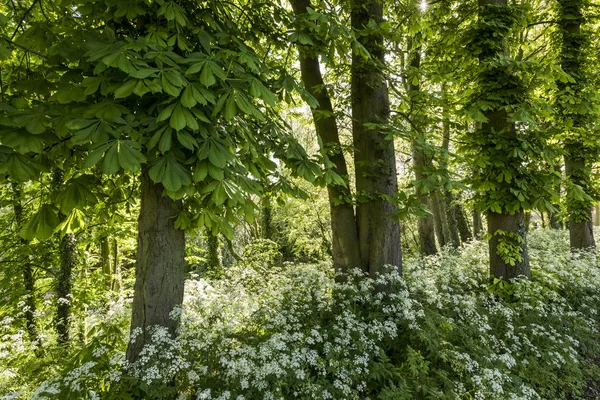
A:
(67, 249)
(159, 276)
(27, 269)
(445, 198)
(345, 245)
(420, 160)
(579, 156)
(477, 225)
(462, 223)
(116, 273)
(581, 227)
(597, 215)
(374, 155)
(212, 246)
(438, 220)
(105, 261)
(505, 228)
(266, 220)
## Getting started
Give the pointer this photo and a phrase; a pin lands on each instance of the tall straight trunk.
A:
(345, 244)
(116, 273)
(438, 219)
(578, 157)
(67, 254)
(477, 225)
(374, 155)
(27, 270)
(597, 215)
(266, 218)
(507, 229)
(105, 261)
(448, 219)
(212, 247)
(421, 163)
(462, 223)
(581, 226)
(159, 271)
(515, 224)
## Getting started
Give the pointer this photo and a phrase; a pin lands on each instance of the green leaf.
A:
(168, 171)
(126, 89)
(178, 120)
(130, 158)
(21, 168)
(75, 195)
(110, 164)
(186, 140)
(74, 223)
(230, 108)
(42, 224)
(165, 141)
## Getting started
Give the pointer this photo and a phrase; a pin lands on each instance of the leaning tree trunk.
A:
(27, 269)
(345, 245)
(159, 271)
(66, 251)
(374, 155)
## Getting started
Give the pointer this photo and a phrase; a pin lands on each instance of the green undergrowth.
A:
(267, 330)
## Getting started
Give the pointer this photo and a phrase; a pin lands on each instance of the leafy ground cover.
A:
(276, 330)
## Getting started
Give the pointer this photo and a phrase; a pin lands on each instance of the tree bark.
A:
(68, 260)
(515, 224)
(438, 220)
(212, 247)
(159, 276)
(581, 226)
(421, 163)
(374, 155)
(597, 215)
(504, 227)
(462, 223)
(345, 244)
(477, 225)
(578, 157)
(27, 270)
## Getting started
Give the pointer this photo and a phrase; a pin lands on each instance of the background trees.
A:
(175, 117)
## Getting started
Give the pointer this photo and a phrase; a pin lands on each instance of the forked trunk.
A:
(159, 275)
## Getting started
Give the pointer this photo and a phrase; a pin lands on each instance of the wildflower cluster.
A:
(442, 331)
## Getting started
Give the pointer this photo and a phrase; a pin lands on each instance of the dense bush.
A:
(444, 332)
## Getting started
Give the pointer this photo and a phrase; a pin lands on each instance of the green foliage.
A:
(443, 333)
